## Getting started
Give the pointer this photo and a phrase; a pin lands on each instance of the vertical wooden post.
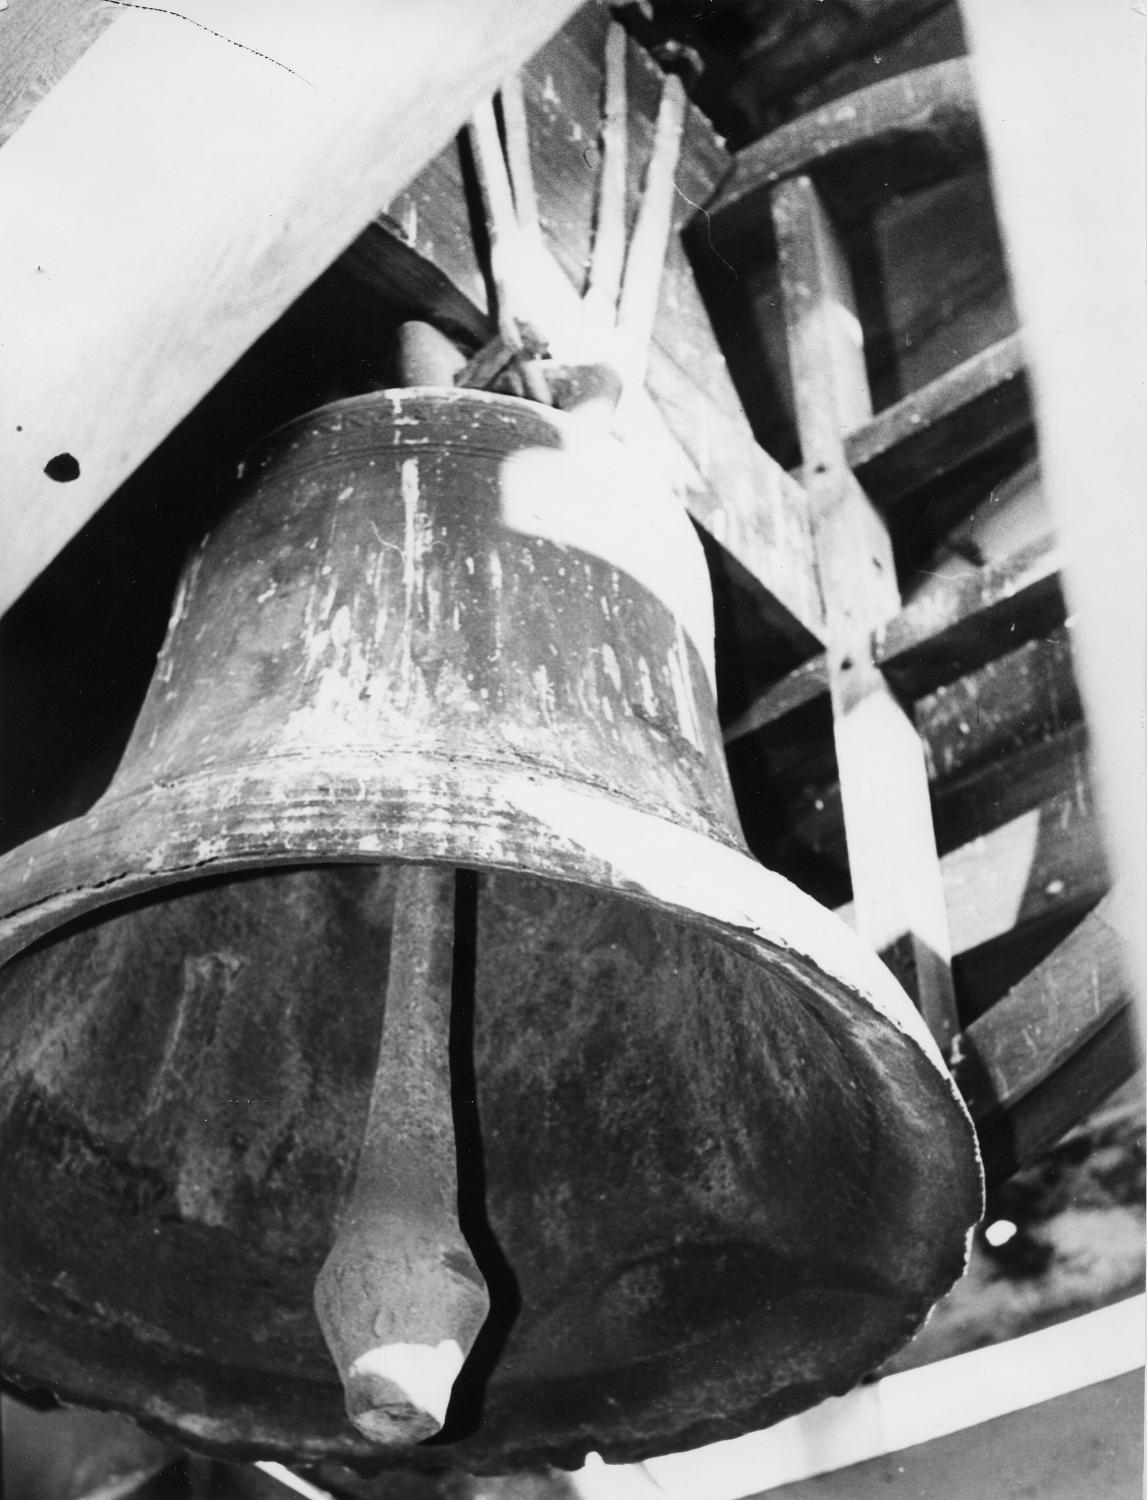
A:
(897, 890)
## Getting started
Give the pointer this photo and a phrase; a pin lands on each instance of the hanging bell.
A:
(707, 1168)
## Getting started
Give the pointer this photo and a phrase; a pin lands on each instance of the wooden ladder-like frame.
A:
(1063, 1038)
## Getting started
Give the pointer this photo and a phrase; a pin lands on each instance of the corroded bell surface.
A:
(710, 1168)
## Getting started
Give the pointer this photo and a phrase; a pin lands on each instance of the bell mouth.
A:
(702, 1116)
(708, 1119)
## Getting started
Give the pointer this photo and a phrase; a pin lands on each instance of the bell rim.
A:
(267, 815)
(275, 812)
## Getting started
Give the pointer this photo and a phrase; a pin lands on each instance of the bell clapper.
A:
(399, 1298)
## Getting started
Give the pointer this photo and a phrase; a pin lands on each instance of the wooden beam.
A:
(803, 685)
(892, 856)
(956, 628)
(955, 418)
(1022, 1047)
(398, 276)
(39, 41)
(911, 128)
(1023, 862)
(975, 619)
(150, 240)
(748, 82)
(1000, 742)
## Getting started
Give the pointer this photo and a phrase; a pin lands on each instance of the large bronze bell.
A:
(709, 1166)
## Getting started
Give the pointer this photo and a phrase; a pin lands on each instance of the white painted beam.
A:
(901, 1411)
(184, 182)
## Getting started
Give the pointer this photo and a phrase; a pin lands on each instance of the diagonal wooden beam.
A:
(178, 189)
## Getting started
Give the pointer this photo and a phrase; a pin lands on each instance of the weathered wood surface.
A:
(958, 627)
(899, 132)
(1021, 849)
(1022, 857)
(750, 60)
(935, 35)
(892, 856)
(1024, 1044)
(138, 264)
(384, 265)
(39, 41)
(803, 685)
(963, 413)
(981, 616)
(974, 732)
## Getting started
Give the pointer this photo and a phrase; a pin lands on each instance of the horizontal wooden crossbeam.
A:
(968, 622)
(1053, 1048)
(952, 631)
(963, 413)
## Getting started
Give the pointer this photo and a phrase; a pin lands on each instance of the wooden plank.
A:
(1063, 1039)
(138, 263)
(999, 744)
(1045, 1019)
(803, 685)
(902, 131)
(965, 412)
(1022, 862)
(39, 41)
(883, 778)
(746, 79)
(960, 626)
(401, 278)
(1021, 839)
(1015, 1139)
(981, 616)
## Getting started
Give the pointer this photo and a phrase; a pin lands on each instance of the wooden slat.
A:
(402, 279)
(39, 41)
(982, 615)
(955, 418)
(1112, 1057)
(1022, 861)
(803, 685)
(926, 119)
(1001, 742)
(149, 240)
(1025, 1038)
(892, 856)
(1048, 1053)
(747, 87)
(955, 629)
